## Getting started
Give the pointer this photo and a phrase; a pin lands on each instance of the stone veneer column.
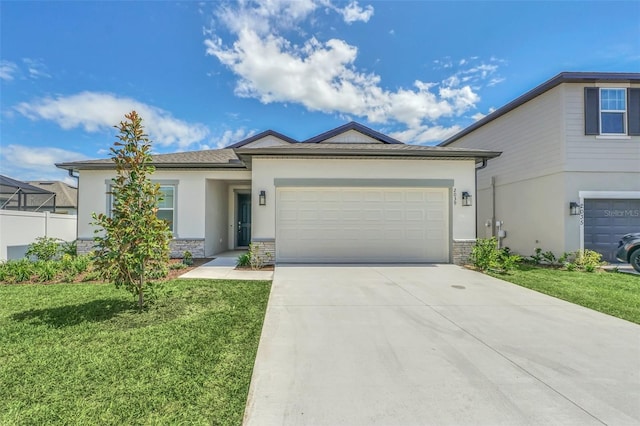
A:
(462, 251)
(266, 249)
(178, 246)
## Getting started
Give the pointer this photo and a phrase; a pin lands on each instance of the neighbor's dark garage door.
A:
(606, 221)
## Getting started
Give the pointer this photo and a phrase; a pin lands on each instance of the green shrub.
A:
(244, 259)
(70, 248)
(177, 265)
(536, 258)
(187, 258)
(485, 256)
(47, 270)
(549, 257)
(44, 248)
(506, 260)
(588, 260)
(17, 271)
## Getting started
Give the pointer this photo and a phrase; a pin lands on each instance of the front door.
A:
(244, 220)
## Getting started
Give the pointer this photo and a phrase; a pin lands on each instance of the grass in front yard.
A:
(81, 354)
(615, 294)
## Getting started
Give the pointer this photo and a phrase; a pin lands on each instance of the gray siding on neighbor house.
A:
(530, 138)
(589, 153)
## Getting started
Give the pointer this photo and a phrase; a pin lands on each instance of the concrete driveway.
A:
(439, 345)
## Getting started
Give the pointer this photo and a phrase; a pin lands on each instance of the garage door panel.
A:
(362, 225)
(606, 221)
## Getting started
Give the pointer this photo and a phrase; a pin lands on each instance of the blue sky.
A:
(208, 74)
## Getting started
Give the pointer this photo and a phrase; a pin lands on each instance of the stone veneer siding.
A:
(84, 246)
(177, 247)
(462, 251)
(266, 249)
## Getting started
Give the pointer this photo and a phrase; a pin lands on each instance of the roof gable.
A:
(264, 139)
(352, 133)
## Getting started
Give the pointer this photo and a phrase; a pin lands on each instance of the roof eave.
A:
(109, 166)
(246, 154)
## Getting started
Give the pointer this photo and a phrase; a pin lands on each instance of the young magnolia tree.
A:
(132, 244)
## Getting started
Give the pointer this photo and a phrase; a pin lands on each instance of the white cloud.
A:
(30, 68)
(8, 70)
(321, 75)
(226, 138)
(36, 163)
(478, 116)
(426, 134)
(35, 68)
(95, 111)
(354, 13)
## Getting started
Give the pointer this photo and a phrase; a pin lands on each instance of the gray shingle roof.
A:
(66, 195)
(208, 158)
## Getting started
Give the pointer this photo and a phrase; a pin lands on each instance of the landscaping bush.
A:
(187, 258)
(588, 260)
(44, 248)
(485, 256)
(582, 260)
(244, 259)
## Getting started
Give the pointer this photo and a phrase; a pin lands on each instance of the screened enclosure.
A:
(17, 195)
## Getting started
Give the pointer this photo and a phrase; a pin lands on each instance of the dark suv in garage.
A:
(629, 250)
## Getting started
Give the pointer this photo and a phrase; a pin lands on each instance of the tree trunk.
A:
(141, 290)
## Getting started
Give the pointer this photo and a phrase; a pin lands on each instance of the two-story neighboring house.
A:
(569, 175)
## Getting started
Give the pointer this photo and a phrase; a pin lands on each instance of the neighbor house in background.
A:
(66, 195)
(348, 195)
(26, 213)
(569, 175)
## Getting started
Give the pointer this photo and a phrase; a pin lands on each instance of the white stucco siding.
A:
(191, 201)
(216, 216)
(589, 153)
(266, 170)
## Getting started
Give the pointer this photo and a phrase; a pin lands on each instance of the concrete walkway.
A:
(223, 268)
(436, 345)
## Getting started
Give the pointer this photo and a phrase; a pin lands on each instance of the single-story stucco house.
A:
(351, 194)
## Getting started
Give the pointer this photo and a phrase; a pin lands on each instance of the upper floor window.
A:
(611, 111)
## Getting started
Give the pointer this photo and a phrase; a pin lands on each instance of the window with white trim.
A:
(613, 111)
(166, 204)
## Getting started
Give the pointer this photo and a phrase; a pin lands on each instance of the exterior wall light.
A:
(466, 199)
(262, 198)
(574, 208)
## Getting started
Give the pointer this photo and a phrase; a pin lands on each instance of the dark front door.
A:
(244, 220)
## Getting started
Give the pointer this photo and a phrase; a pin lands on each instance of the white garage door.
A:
(362, 225)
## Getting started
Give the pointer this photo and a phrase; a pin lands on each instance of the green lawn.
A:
(81, 354)
(615, 294)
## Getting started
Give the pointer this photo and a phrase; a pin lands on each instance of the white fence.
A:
(18, 229)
